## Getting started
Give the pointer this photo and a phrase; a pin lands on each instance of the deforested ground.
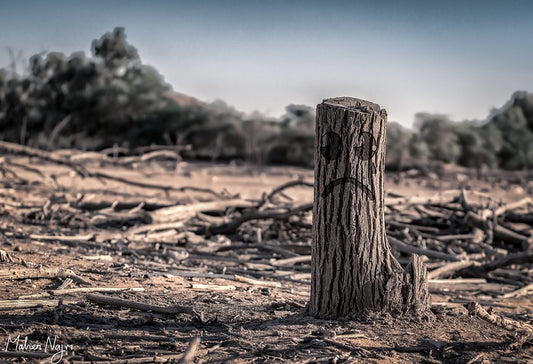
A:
(154, 260)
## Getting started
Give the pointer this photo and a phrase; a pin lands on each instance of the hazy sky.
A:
(460, 58)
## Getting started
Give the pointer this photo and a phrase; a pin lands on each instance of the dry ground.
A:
(58, 285)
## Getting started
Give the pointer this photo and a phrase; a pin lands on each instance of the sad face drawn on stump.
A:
(332, 146)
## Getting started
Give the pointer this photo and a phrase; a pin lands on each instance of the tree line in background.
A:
(504, 140)
(112, 98)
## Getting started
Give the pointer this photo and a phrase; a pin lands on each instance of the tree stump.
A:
(353, 270)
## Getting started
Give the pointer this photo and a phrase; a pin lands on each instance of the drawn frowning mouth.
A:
(331, 150)
(330, 186)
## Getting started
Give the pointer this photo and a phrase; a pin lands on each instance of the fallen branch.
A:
(405, 248)
(262, 246)
(61, 292)
(5, 257)
(62, 238)
(439, 198)
(516, 258)
(18, 304)
(232, 226)
(41, 154)
(83, 172)
(519, 292)
(118, 205)
(26, 168)
(513, 205)
(120, 219)
(268, 198)
(185, 212)
(213, 287)
(121, 302)
(160, 154)
(152, 148)
(526, 218)
(151, 228)
(500, 232)
(188, 356)
(154, 186)
(453, 281)
(255, 282)
(290, 261)
(32, 274)
(450, 268)
(522, 329)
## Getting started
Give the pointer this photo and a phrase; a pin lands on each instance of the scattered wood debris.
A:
(212, 245)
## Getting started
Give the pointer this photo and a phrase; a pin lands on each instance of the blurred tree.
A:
(472, 146)
(398, 141)
(115, 51)
(299, 117)
(418, 148)
(439, 134)
(112, 98)
(524, 101)
(15, 103)
(95, 102)
(517, 138)
(293, 142)
(260, 136)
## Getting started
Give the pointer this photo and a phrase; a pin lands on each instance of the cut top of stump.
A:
(351, 103)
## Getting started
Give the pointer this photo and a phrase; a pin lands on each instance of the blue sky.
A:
(460, 58)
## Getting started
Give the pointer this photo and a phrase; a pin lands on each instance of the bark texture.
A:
(353, 270)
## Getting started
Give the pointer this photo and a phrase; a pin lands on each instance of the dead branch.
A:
(291, 261)
(213, 287)
(20, 304)
(67, 291)
(255, 282)
(263, 246)
(499, 231)
(120, 219)
(405, 248)
(160, 154)
(453, 281)
(83, 172)
(188, 356)
(118, 205)
(152, 228)
(25, 167)
(5, 257)
(475, 309)
(231, 226)
(513, 206)
(121, 302)
(446, 238)
(526, 218)
(185, 212)
(516, 258)
(155, 186)
(41, 154)
(268, 198)
(450, 268)
(32, 274)
(63, 238)
(519, 292)
(152, 148)
(439, 198)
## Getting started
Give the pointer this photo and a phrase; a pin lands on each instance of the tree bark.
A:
(353, 270)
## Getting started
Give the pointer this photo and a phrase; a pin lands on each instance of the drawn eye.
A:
(331, 147)
(367, 147)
